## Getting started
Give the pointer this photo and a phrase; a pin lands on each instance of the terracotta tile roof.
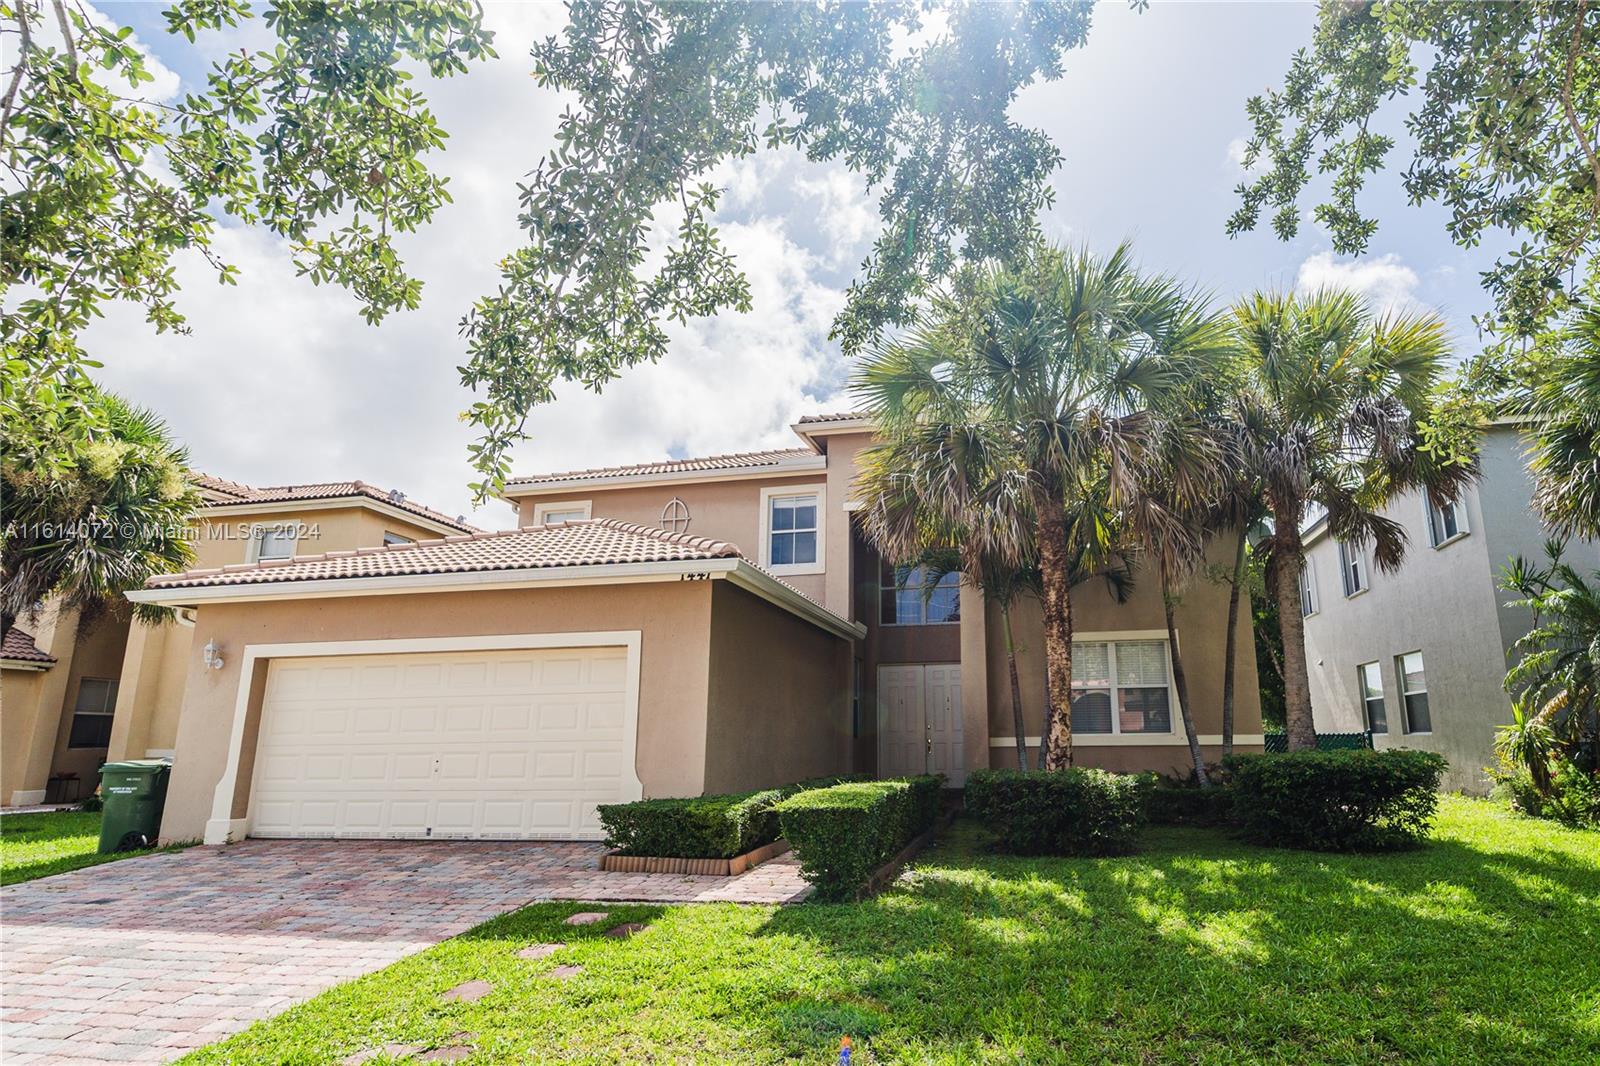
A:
(774, 457)
(219, 492)
(837, 416)
(20, 646)
(588, 543)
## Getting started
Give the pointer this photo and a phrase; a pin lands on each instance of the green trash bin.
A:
(133, 793)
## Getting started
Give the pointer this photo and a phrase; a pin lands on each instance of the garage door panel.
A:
(508, 745)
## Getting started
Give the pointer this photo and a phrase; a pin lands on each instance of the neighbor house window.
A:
(395, 538)
(1353, 567)
(93, 712)
(912, 597)
(1121, 687)
(273, 542)
(792, 530)
(551, 514)
(1446, 522)
(1414, 692)
(1308, 591)
(1377, 716)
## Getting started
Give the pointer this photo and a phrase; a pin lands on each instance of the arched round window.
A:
(675, 516)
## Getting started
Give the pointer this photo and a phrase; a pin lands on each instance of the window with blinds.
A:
(1122, 686)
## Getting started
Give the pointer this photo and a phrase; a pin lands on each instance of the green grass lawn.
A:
(38, 845)
(1480, 947)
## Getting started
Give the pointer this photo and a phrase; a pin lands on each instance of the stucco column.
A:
(58, 636)
(135, 692)
(974, 678)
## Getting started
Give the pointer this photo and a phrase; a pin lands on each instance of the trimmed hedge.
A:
(701, 827)
(1336, 800)
(1190, 806)
(1061, 812)
(843, 834)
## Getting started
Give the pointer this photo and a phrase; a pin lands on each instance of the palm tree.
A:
(1063, 357)
(1332, 403)
(1563, 399)
(1556, 680)
(115, 515)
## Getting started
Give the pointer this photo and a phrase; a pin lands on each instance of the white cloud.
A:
(1237, 149)
(1385, 280)
(847, 216)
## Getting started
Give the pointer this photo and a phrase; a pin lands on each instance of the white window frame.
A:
(1405, 708)
(108, 710)
(882, 588)
(259, 529)
(1142, 636)
(1382, 695)
(390, 537)
(1353, 563)
(768, 493)
(1309, 602)
(1434, 517)
(543, 511)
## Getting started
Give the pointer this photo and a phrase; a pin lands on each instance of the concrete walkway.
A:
(143, 959)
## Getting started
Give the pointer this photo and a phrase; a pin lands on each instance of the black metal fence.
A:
(1279, 742)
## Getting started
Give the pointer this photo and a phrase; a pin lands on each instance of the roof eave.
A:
(738, 570)
(805, 465)
(323, 503)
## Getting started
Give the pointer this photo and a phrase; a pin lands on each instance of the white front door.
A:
(491, 744)
(919, 721)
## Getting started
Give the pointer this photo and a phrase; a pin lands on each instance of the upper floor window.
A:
(1414, 692)
(1308, 591)
(1121, 686)
(1353, 568)
(1377, 716)
(93, 712)
(1446, 522)
(551, 514)
(911, 597)
(395, 538)
(273, 542)
(791, 533)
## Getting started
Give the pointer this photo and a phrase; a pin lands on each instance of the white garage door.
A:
(493, 745)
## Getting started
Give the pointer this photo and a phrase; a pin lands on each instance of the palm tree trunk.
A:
(1288, 559)
(1182, 683)
(1055, 571)
(1016, 689)
(1231, 652)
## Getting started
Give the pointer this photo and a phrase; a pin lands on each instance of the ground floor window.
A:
(1121, 686)
(1372, 697)
(93, 712)
(1414, 691)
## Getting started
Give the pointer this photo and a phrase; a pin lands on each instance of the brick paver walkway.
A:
(143, 959)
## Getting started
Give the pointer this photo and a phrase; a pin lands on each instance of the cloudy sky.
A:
(281, 381)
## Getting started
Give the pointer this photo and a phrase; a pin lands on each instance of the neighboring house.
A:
(110, 689)
(664, 629)
(1419, 657)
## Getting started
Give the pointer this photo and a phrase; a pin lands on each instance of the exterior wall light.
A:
(211, 655)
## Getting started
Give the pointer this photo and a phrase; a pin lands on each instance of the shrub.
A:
(1190, 806)
(702, 827)
(1336, 800)
(843, 834)
(1060, 812)
(1572, 796)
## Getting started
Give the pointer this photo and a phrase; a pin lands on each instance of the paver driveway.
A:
(141, 960)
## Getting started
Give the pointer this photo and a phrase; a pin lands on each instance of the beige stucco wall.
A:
(674, 619)
(98, 654)
(20, 702)
(1201, 618)
(721, 510)
(779, 696)
(157, 660)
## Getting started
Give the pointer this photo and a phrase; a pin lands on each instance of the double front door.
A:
(919, 721)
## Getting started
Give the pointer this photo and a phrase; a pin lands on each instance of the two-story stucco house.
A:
(1419, 657)
(78, 694)
(668, 628)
